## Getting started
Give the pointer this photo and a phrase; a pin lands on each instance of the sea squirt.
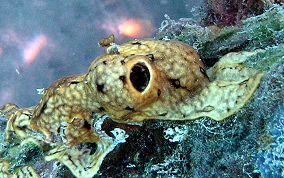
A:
(138, 80)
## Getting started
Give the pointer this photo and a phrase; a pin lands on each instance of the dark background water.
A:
(69, 32)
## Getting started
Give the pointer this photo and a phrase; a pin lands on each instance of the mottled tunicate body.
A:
(146, 79)
(132, 82)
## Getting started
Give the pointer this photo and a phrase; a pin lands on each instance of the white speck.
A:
(40, 91)
(98, 128)
(17, 71)
(131, 166)
(119, 135)
(177, 134)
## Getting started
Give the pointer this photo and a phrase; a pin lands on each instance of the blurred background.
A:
(42, 41)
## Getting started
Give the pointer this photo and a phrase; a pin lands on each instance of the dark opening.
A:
(100, 88)
(129, 108)
(140, 76)
(123, 79)
(175, 83)
(136, 43)
(43, 107)
(74, 82)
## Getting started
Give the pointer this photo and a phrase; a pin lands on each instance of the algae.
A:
(212, 42)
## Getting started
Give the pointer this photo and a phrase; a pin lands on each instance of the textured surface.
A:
(63, 114)
(173, 72)
(142, 79)
(23, 172)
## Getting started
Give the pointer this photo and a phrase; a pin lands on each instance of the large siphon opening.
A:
(140, 76)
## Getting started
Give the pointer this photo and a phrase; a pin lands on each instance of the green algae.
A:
(19, 156)
(266, 58)
(213, 42)
(266, 29)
